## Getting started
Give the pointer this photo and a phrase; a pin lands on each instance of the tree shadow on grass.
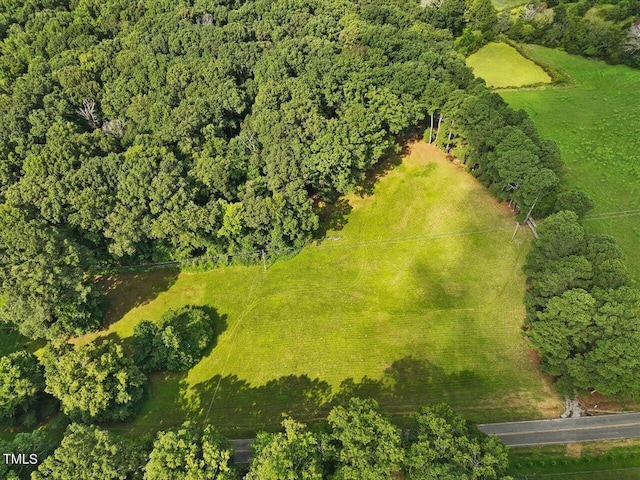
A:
(240, 409)
(366, 186)
(129, 290)
(333, 217)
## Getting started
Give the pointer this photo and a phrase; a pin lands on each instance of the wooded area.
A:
(159, 130)
(152, 131)
(605, 29)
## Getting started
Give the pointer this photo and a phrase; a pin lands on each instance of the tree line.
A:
(356, 443)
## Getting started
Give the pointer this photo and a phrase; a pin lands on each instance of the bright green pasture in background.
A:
(501, 66)
(418, 299)
(597, 126)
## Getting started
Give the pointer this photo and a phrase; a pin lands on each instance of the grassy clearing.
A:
(596, 127)
(502, 66)
(502, 4)
(417, 299)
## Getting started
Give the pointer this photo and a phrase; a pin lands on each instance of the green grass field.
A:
(597, 126)
(604, 460)
(418, 299)
(615, 474)
(502, 66)
(502, 4)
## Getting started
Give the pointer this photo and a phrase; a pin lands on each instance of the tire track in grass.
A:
(232, 339)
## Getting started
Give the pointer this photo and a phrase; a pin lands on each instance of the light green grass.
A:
(597, 126)
(502, 4)
(502, 66)
(417, 300)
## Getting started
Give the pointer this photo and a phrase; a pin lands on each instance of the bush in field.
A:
(177, 342)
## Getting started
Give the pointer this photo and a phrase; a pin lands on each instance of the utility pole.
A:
(264, 261)
(515, 231)
(531, 210)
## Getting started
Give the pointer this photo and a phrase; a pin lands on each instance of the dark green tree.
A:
(90, 453)
(295, 454)
(444, 446)
(366, 445)
(21, 384)
(574, 201)
(36, 443)
(177, 342)
(42, 277)
(94, 382)
(189, 453)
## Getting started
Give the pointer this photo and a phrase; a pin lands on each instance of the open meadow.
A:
(502, 4)
(502, 66)
(597, 126)
(416, 299)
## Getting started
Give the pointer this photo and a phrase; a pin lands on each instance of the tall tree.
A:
(189, 453)
(94, 381)
(90, 453)
(445, 447)
(21, 383)
(366, 445)
(42, 277)
(294, 454)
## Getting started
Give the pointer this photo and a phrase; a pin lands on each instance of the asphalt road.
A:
(566, 430)
(537, 432)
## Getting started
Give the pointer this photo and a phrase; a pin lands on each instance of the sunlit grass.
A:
(417, 299)
(501, 66)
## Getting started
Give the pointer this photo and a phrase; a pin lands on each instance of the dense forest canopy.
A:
(155, 130)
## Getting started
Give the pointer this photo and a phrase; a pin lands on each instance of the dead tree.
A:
(438, 131)
(431, 127)
(632, 45)
(88, 112)
(204, 19)
(450, 133)
(114, 127)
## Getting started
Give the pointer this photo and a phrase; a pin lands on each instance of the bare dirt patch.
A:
(574, 450)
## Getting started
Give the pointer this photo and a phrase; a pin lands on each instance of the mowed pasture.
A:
(597, 126)
(502, 66)
(416, 299)
(502, 4)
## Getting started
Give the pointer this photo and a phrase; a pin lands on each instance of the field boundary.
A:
(560, 79)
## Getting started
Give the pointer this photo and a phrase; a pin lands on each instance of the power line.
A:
(618, 214)
(260, 255)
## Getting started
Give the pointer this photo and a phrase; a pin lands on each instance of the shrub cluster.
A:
(177, 342)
